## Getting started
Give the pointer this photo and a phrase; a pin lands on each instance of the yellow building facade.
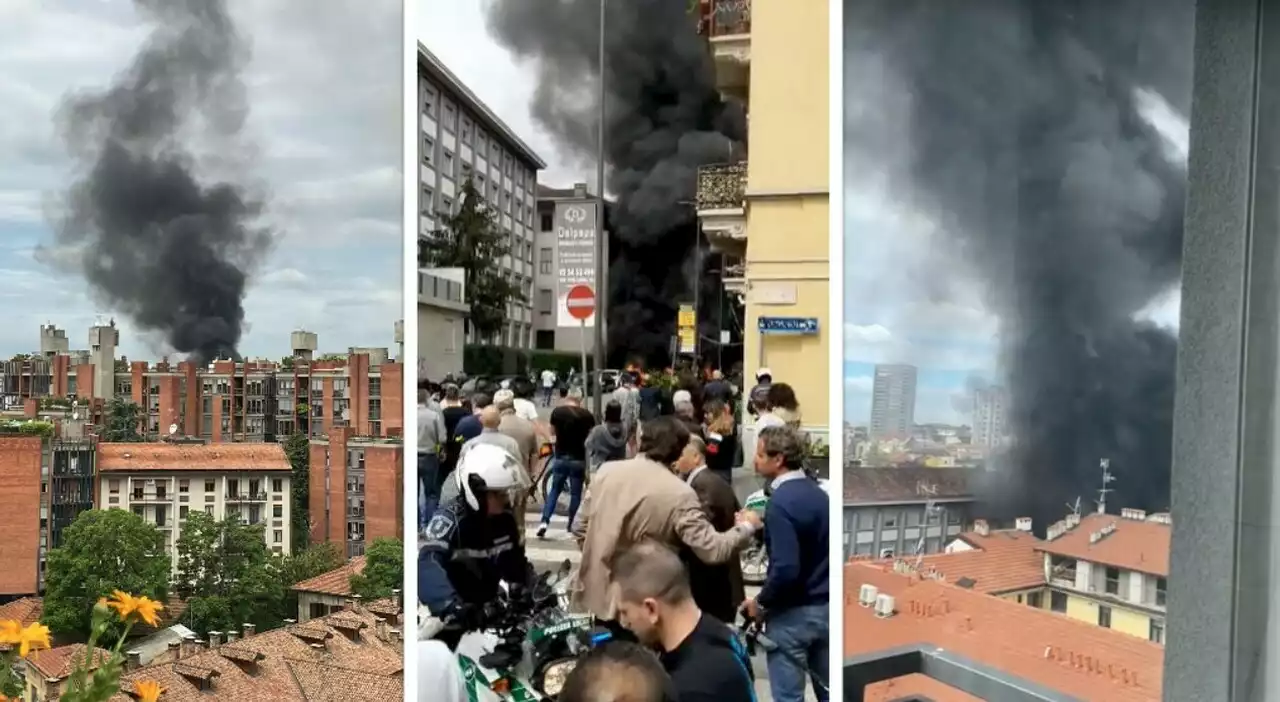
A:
(771, 213)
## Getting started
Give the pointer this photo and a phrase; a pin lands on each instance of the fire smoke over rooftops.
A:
(153, 240)
(665, 118)
(1032, 145)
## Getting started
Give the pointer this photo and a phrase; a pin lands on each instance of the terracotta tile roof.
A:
(1134, 545)
(58, 662)
(282, 666)
(336, 582)
(1073, 657)
(113, 457)
(908, 484)
(26, 610)
(913, 686)
(1002, 561)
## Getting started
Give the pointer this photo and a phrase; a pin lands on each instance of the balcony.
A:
(246, 496)
(735, 280)
(151, 497)
(727, 26)
(722, 206)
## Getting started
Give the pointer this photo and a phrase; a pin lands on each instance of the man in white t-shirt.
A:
(548, 386)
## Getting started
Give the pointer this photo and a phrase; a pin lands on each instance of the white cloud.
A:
(323, 140)
(858, 384)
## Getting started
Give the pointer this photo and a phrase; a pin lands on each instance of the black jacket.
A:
(465, 557)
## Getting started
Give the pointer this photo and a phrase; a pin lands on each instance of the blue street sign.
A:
(788, 325)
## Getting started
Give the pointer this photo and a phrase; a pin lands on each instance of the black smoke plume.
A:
(1027, 141)
(664, 119)
(156, 241)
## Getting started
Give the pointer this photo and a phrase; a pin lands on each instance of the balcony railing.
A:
(246, 496)
(728, 18)
(722, 186)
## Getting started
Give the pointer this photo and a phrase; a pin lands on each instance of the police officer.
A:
(472, 543)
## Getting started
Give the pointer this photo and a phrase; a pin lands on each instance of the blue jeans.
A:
(801, 634)
(428, 487)
(563, 469)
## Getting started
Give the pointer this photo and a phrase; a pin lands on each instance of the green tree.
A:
(383, 570)
(286, 363)
(227, 575)
(122, 420)
(102, 551)
(471, 239)
(298, 450)
(303, 565)
(12, 682)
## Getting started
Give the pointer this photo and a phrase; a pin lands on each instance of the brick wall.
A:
(20, 517)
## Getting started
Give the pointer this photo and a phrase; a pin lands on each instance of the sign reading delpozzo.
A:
(576, 232)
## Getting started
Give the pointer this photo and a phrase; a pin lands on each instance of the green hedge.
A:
(501, 360)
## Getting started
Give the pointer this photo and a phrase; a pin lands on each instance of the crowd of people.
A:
(652, 507)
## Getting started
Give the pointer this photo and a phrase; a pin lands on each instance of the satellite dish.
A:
(173, 429)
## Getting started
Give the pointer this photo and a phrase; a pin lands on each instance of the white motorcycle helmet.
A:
(486, 468)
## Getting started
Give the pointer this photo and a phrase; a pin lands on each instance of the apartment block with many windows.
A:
(164, 482)
(462, 139)
(356, 491)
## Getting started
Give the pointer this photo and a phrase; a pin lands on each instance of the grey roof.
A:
(434, 67)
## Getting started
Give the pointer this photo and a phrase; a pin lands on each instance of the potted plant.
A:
(96, 677)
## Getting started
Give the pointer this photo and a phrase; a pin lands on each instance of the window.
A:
(182, 512)
(277, 485)
(184, 486)
(888, 520)
(428, 150)
(1035, 599)
(1104, 616)
(545, 260)
(447, 164)
(1113, 581)
(113, 486)
(318, 609)
(429, 102)
(277, 511)
(277, 536)
(1160, 592)
(1058, 602)
(210, 486)
(1156, 632)
(545, 302)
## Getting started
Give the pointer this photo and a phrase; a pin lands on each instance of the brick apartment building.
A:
(46, 485)
(225, 401)
(357, 490)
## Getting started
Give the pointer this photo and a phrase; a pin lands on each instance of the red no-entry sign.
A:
(581, 302)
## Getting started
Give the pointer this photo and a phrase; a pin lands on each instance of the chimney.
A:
(175, 650)
(1131, 513)
(348, 604)
(355, 602)
(394, 635)
(134, 660)
(198, 645)
(215, 639)
(380, 627)
(981, 528)
(250, 630)
(1023, 524)
(395, 595)
(232, 636)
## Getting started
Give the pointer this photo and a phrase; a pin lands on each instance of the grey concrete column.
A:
(1223, 629)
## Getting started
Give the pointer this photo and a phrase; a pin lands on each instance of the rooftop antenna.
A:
(1075, 508)
(1107, 478)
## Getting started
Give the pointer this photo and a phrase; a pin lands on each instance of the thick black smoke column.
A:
(665, 118)
(1027, 143)
(155, 242)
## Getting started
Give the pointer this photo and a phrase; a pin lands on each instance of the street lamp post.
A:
(597, 402)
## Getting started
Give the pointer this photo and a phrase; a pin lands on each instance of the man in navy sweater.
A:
(795, 600)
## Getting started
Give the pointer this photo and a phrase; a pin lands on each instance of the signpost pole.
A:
(586, 378)
(602, 293)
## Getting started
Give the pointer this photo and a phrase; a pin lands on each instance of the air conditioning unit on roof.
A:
(884, 605)
(867, 594)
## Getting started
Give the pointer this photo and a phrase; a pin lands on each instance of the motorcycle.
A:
(754, 559)
(528, 643)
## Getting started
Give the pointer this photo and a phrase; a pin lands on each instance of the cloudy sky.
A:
(325, 128)
(908, 296)
(455, 33)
